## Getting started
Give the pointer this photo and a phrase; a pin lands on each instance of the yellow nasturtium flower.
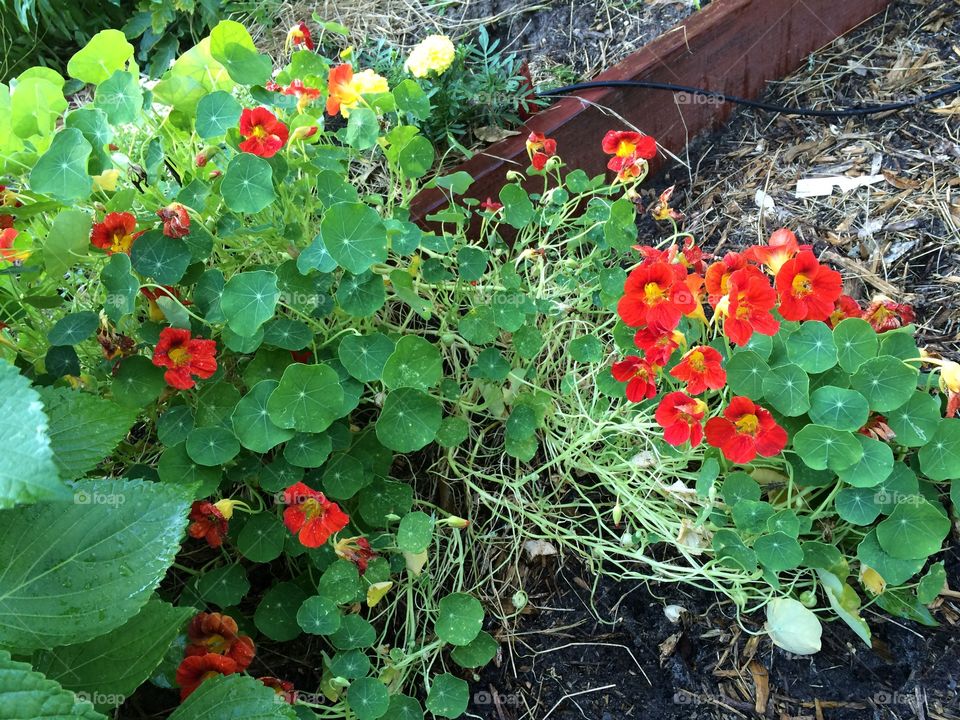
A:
(434, 54)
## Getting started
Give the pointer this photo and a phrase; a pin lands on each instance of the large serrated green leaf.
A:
(26, 694)
(231, 697)
(73, 570)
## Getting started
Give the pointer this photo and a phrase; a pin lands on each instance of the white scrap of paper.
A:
(822, 186)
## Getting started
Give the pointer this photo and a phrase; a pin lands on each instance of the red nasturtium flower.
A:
(116, 233)
(184, 356)
(491, 205)
(264, 134)
(662, 211)
(681, 416)
(746, 309)
(627, 147)
(844, 307)
(781, 246)
(218, 634)
(640, 376)
(197, 668)
(700, 369)
(877, 427)
(7, 253)
(884, 314)
(356, 550)
(658, 346)
(152, 294)
(299, 34)
(808, 290)
(656, 295)
(176, 220)
(207, 522)
(283, 688)
(540, 148)
(114, 345)
(717, 278)
(745, 431)
(310, 516)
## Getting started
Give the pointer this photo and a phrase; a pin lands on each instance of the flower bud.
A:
(617, 514)
(514, 176)
(456, 522)
(225, 507)
(303, 132)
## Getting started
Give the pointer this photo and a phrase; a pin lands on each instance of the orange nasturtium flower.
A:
(310, 516)
(283, 688)
(844, 307)
(116, 233)
(209, 520)
(681, 416)
(184, 356)
(781, 246)
(656, 294)
(540, 148)
(197, 668)
(746, 309)
(700, 369)
(345, 88)
(218, 634)
(808, 290)
(299, 35)
(264, 133)
(176, 220)
(745, 431)
(627, 147)
(640, 376)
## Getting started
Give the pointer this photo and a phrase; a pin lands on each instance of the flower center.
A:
(625, 149)
(217, 644)
(180, 356)
(747, 425)
(311, 508)
(696, 361)
(121, 243)
(259, 131)
(801, 285)
(653, 293)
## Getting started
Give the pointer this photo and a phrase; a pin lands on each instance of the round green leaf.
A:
(857, 505)
(351, 664)
(838, 408)
(745, 373)
(119, 96)
(915, 529)
(459, 618)
(856, 343)
(354, 235)
(177, 468)
(415, 532)
(364, 356)
(915, 422)
(308, 450)
(416, 157)
(341, 582)
(217, 113)
(812, 347)
(893, 570)
(361, 295)
(449, 695)
(354, 632)
(478, 326)
(162, 258)
(232, 46)
(786, 388)
(61, 172)
(212, 446)
(287, 334)
(137, 382)
(74, 328)
(886, 382)
(404, 707)
(319, 615)
(225, 586)
(778, 551)
(247, 185)
(414, 363)
(262, 537)
(344, 476)
(490, 365)
(174, 425)
(105, 53)
(251, 420)
(363, 129)
(368, 698)
(307, 399)
(249, 299)
(940, 458)
(409, 420)
(453, 432)
(873, 468)
(276, 615)
(822, 447)
(586, 349)
(477, 653)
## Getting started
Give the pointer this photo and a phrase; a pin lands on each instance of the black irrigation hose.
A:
(768, 107)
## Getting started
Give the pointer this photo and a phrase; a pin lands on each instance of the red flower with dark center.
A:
(6, 222)
(491, 205)
(207, 523)
(283, 688)
(717, 278)
(781, 246)
(176, 220)
(218, 634)
(658, 346)
(627, 148)
(299, 34)
(639, 375)
(656, 295)
(745, 431)
(184, 356)
(540, 149)
(116, 233)
(264, 133)
(115, 345)
(356, 550)
(310, 516)
(701, 369)
(808, 290)
(197, 668)
(681, 416)
(747, 307)
(845, 307)
(884, 314)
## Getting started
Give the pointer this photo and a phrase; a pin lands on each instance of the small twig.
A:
(573, 695)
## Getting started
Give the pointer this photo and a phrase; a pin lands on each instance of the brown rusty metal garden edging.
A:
(733, 46)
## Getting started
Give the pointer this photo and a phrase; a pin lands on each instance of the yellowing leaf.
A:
(376, 592)
(872, 580)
